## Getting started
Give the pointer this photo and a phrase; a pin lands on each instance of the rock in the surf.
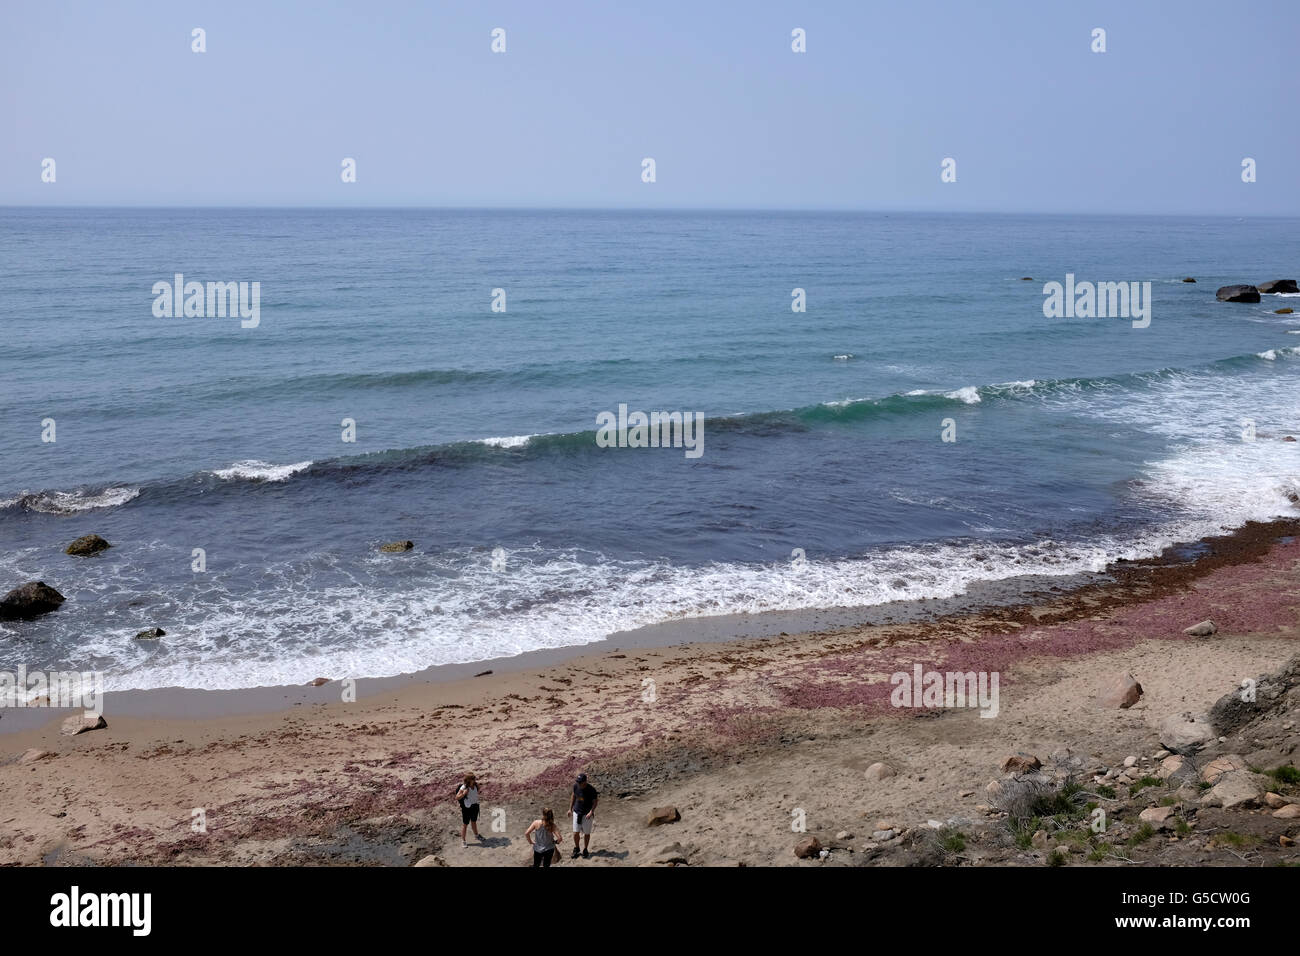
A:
(150, 634)
(29, 600)
(1237, 293)
(1189, 279)
(1278, 287)
(396, 547)
(1283, 311)
(87, 545)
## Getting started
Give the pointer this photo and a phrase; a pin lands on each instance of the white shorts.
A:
(584, 826)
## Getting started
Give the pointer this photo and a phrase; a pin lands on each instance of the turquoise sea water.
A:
(1077, 441)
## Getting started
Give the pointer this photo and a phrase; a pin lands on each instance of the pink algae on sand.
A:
(1245, 598)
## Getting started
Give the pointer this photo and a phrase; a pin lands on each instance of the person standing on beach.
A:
(583, 808)
(545, 841)
(468, 798)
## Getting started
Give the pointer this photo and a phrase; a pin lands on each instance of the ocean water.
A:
(824, 480)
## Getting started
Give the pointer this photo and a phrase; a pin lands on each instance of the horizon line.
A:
(398, 207)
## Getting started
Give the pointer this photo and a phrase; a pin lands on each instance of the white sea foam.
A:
(73, 502)
(970, 395)
(509, 441)
(843, 358)
(254, 470)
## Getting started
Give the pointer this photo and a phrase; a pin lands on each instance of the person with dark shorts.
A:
(468, 798)
(583, 808)
(544, 836)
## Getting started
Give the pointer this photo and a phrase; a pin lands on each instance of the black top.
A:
(584, 798)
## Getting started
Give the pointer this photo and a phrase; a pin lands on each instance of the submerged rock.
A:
(29, 600)
(151, 634)
(87, 545)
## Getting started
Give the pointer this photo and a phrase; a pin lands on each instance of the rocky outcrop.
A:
(87, 545)
(150, 634)
(29, 600)
(396, 547)
(1267, 698)
(1278, 287)
(1237, 293)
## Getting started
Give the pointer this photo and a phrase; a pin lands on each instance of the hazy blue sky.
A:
(733, 118)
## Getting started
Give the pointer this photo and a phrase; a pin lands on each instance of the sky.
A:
(712, 91)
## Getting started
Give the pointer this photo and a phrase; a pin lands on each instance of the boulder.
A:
(394, 547)
(1204, 629)
(1237, 293)
(81, 723)
(1123, 692)
(87, 545)
(1236, 788)
(880, 771)
(150, 634)
(318, 682)
(1158, 817)
(806, 848)
(1278, 287)
(1276, 800)
(1020, 763)
(429, 860)
(661, 815)
(1189, 279)
(1170, 765)
(1290, 812)
(1216, 768)
(1186, 733)
(1283, 311)
(28, 601)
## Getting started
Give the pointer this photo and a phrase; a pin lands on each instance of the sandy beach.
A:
(746, 739)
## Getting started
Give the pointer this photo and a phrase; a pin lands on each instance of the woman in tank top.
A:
(543, 834)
